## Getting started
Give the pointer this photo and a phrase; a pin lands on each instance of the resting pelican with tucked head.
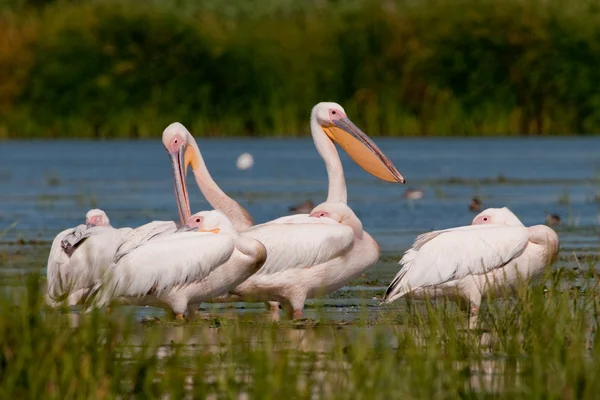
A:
(79, 256)
(199, 261)
(307, 255)
(496, 252)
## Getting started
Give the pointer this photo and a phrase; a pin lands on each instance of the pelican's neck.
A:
(329, 154)
(238, 215)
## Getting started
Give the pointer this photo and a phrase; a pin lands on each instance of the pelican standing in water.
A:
(79, 256)
(496, 252)
(203, 259)
(307, 255)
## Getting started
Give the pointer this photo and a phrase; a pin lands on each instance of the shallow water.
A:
(48, 186)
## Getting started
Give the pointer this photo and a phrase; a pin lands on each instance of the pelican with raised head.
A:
(307, 255)
(495, 253)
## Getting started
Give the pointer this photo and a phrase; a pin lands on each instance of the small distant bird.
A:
(475, 204)
(413, 194)
(302, 208)
(552, 219)
(245, 161)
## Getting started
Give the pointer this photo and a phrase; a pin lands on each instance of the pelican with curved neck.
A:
(184, 151)
(328, 123)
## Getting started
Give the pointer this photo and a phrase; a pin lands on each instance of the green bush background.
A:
(415, 67)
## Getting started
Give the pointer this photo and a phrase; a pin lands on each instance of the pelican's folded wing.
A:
(301, 245)
(163, 264)
(57, 259)
(143, 234)
(440, 256)
(299, 219)
(61, 272)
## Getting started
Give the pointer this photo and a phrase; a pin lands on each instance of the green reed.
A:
(109, 68)
(540, 343)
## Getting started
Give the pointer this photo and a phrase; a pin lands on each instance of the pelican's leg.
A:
(272, 311)
(178, 305)
(297, 304)
(272, 306)
(473, 316)
(180, 317)
(293, 307)
(474, 305)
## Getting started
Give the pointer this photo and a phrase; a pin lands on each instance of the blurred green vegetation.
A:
(108, 68)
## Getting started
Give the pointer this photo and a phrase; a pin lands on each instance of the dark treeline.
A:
(458, 67)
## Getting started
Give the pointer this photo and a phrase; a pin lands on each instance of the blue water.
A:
(48, 186)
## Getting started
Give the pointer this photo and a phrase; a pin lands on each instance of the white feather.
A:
(143, 234)
(312, 243)
(87, 263)
(164, 263)
(440, 256)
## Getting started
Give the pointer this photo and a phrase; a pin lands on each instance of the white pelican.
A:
(306, 256)
(79, 256)
(202, 260)
(495, 253)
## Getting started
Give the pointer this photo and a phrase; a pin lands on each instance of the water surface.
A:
(48, 186)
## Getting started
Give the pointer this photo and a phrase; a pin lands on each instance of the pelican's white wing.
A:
(143, 234)
(93, 253)
(300, 219)
(440, 256)
(164, 263)
(301, 244)
(57, 259)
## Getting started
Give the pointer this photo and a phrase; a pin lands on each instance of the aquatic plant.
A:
(540, 343)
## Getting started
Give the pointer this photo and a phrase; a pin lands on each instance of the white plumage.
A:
(452, 254)
(203, 259)
(79, 256)
(469, 261)
(140, 235)
(308, 257)
(166, 262)
(305, 256)
(315, 241)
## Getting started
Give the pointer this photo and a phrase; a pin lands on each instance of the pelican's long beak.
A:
(179, 166)
(362, 150)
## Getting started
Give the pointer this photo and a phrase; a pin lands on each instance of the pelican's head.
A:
(211, 221)
(96, 217)
(497, 216)
(332, 118)
(180, 145)
(339, 212)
